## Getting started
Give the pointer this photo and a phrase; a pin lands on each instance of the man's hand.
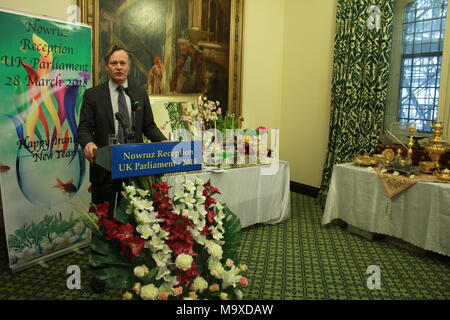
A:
(89, 151)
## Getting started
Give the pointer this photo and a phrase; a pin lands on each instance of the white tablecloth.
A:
(420, 215)
(252, 196)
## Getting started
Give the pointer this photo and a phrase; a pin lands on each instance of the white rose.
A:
(199, 284)
(141, 271)
(215, 250)
(149, 292)
(216, 269)
(184, 261)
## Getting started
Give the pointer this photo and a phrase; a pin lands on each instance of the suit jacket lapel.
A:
(106, 101)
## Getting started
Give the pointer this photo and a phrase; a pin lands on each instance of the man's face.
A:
(118, 67)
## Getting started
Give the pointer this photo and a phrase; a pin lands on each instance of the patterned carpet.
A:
(294, 260)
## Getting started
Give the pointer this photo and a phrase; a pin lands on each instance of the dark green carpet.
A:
(297, 259)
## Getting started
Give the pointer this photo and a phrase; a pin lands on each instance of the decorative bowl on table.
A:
(364, 161)
(444, 175)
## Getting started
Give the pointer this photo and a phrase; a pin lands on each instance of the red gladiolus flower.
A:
(210, 200)
(210, 189)
(136, 245)
(206, 231)
(110, 226)
(101, 211)
(125, 232)
(210, 215)
(157, 197)
(131, 248)
(165, 205)
(103, 206)
(163, 187)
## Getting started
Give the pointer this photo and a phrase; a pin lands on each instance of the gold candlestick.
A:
(410, 144)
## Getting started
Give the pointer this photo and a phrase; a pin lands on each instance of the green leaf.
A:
(111, 272)
(145, 257)
(116, 277)
(53, 227)
(97, 260)
(149, 277)
(20, 233)
(122, 281)
(102, 246)
(121, 215)
(232, 235)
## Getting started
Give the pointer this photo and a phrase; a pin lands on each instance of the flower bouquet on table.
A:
(162, 247)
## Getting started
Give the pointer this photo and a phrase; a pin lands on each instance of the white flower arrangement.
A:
(175, 267)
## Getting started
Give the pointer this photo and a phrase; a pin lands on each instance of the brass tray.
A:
(444, 175)
(364, 161)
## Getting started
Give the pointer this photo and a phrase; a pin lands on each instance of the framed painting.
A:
(179, 47)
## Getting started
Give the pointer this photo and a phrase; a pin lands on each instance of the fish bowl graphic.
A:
(54, 180)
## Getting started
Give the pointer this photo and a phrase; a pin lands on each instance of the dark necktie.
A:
(124, 111)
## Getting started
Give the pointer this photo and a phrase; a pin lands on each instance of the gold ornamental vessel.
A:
(436, 146)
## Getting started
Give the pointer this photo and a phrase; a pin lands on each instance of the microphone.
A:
(122, 122)
(127, 131)
(135, 105)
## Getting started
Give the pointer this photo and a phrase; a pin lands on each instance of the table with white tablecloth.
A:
(256, 194)
(419, 215)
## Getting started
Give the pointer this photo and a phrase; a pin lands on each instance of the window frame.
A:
(392, 108)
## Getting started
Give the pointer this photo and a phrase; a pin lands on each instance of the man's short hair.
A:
(114, 49)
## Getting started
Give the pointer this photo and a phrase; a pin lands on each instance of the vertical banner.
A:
(45, 67)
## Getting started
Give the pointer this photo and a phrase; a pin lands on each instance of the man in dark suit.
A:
(98, 121)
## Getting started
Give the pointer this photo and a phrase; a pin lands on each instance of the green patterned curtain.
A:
(360, 78)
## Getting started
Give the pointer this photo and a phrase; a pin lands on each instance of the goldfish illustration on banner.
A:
(45, 68)
(67, 187)
(4, 168)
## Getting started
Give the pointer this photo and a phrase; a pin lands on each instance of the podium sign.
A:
(133, 160)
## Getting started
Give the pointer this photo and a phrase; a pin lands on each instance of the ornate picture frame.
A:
(202, 18)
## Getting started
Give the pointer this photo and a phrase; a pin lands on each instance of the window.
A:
(420, 62)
